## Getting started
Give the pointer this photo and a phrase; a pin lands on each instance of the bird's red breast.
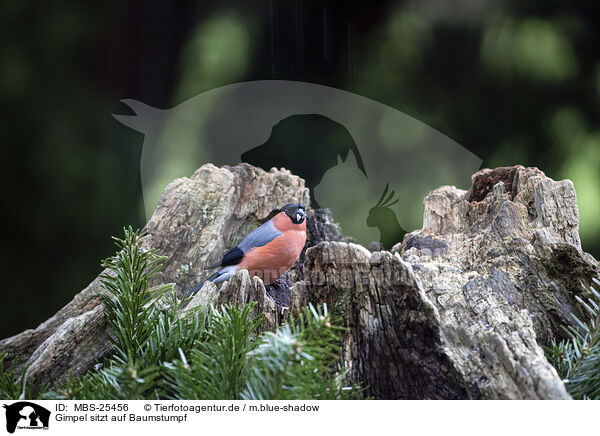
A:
(272, 260)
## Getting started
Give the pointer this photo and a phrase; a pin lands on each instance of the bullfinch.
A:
(267, 252)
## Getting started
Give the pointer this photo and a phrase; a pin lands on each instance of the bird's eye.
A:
(298, 217)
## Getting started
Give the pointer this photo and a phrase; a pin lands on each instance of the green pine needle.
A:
(577, 359)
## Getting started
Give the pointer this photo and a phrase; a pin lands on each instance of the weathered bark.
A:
(457, 310)
(394, 345)
(70, 342)
(513, 244)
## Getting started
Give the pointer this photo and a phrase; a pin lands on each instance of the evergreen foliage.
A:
(13, 385)
(577, 359)
(164, 352)
(133, 311)
(293, 363)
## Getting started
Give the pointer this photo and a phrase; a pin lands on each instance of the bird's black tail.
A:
(210, 279)
(196, 289)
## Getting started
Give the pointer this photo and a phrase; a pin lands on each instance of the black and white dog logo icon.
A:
(26, 415)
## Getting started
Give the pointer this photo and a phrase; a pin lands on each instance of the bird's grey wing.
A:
(259, 237)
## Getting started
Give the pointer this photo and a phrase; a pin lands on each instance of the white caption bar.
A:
(296, 417)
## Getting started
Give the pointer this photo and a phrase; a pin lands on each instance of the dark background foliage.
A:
(514, 82)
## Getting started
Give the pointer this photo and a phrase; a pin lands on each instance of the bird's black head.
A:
(295, 212)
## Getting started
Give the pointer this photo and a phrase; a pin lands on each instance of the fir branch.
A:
(296, 362)
(217, 364)
(131, 308)
(11, 384)
(577, 359)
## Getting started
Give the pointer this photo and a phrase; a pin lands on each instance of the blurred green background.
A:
(514, 82)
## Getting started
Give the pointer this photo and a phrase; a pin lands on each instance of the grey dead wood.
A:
(458, 309)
